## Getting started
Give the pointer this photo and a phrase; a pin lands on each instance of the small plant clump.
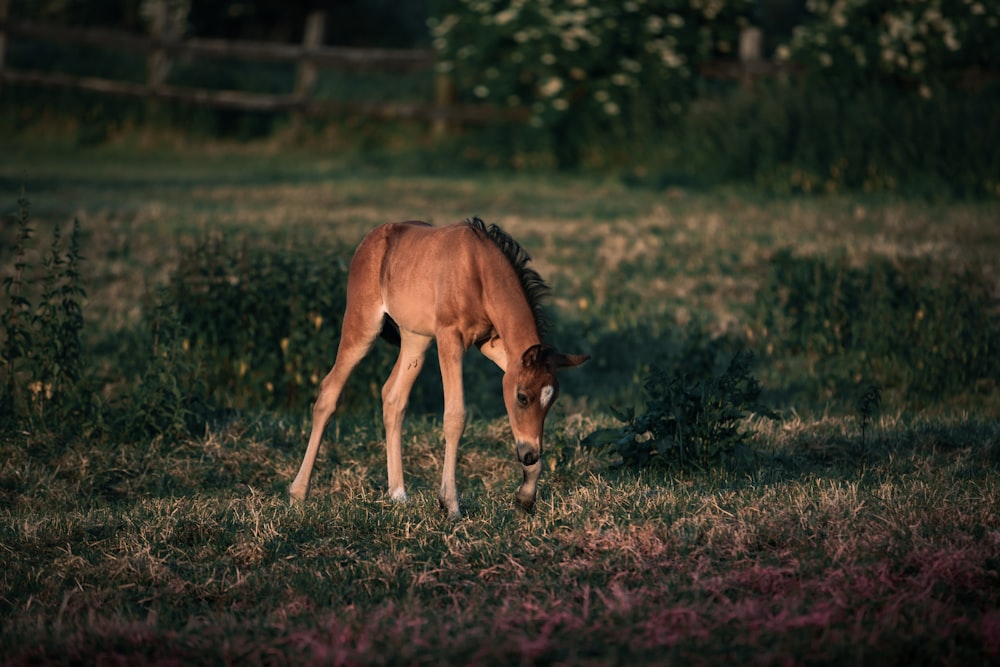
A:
(693, 416)
(41, 350)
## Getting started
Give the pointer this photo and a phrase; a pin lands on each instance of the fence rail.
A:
(164, 44)
(383, 59)
(161, 48)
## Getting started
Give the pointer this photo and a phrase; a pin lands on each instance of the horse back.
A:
(427, 277)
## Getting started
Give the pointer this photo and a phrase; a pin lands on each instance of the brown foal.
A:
(462, 285)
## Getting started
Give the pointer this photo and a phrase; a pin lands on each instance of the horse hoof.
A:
(296, 496)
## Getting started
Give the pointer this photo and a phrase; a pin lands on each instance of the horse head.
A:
(529, 390)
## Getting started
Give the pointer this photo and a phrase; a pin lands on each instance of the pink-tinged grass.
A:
(892, 561)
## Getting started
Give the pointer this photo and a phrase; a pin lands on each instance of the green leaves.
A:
(915, 327)
(260, 320)
(41, 350)
(693, 415)
(584, 66)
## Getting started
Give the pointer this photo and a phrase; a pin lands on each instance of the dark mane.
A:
(535, 289)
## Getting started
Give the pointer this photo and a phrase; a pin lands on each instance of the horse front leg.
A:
(526, 493)
(450, 351)
(395, 397)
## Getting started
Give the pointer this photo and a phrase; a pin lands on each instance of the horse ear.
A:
(538, 355)
(569, 360)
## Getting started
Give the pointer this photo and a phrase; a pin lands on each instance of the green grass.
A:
(835, 544)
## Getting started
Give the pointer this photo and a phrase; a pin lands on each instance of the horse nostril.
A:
(526, 454)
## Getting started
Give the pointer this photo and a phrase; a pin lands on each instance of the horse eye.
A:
(522, 400)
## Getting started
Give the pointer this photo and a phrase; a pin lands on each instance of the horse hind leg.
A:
(361, 328)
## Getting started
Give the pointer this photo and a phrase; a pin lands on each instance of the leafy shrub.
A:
(167, 398)
(694, 413)
(921, 329)
(805, 137)
(584, 67)
(899, 41)
(261, 321)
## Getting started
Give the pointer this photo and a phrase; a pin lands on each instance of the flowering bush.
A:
(922, 43)
(578, 64)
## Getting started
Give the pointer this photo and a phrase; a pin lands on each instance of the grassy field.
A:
(845, 540)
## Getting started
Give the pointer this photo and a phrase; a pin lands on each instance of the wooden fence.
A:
(164, 44)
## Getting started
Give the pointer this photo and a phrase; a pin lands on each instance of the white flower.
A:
(611, 108)
(630, 65)
(481, 91)
(951, 41)
(551, 87)
(443, 27)
(506, 16)
(560, 104)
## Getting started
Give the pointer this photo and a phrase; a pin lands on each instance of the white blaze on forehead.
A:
(548, 392)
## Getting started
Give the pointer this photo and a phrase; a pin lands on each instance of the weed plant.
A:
(42, 354)
(167, 397)
(694, 415)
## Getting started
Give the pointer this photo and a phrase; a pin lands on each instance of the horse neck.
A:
(510, 313)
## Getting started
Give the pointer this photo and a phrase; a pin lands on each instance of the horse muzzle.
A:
(527, 454)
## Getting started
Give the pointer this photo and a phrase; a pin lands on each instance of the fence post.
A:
(751, 55)
(4, 14)
(444, 98)
(312, 39)
(159, 58)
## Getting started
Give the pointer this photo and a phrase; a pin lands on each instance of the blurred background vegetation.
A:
(848, 95)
